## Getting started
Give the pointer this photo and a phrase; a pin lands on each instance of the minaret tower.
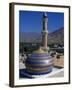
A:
(44, 31)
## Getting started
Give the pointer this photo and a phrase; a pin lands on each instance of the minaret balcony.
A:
(44, 32)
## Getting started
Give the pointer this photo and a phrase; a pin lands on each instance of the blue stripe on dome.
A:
(45, 60)
(39, 66)
(42, 55)
(39, 58)
(37, 62)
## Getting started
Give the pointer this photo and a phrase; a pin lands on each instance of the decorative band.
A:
(40, 54)
(39, 62)
(39, 58)
(39, 73)
(38, 66)
(38, 69)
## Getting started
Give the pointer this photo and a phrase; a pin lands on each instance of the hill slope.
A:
(56, 37)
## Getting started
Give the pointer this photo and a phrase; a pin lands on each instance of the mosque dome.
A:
(39, 63)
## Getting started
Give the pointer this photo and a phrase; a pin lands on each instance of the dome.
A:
(40, 62)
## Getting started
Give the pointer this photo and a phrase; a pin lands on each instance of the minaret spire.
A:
(44, 14)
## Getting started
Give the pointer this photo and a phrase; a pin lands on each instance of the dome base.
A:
(25, 74)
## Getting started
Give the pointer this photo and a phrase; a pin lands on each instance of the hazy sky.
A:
(30, 21)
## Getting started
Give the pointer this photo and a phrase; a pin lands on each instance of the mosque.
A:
(40, 62)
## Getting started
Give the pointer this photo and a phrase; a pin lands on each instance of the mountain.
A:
(56, 37)
(30, 37)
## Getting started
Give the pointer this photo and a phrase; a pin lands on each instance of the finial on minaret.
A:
(44, 14)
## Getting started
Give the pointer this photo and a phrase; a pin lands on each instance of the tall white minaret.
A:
(45, 31)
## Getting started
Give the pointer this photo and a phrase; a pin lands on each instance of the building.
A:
(40, 63)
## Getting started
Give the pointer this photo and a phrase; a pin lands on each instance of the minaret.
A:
(44, 31)
(40, 62)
